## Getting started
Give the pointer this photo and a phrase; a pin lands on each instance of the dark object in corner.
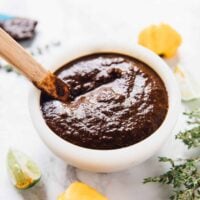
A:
(19, 28)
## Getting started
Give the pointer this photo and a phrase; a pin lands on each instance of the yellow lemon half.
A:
(162, 39)
(81, 191)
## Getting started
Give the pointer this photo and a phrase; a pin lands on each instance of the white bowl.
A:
(117, 159)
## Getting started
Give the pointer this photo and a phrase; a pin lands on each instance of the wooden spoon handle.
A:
(17, 56)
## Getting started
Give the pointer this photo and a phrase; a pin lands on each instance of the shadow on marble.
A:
(29, 43)
(192, 105)
(173, 62)
(124, 184)
(38, 192)
(71, 174)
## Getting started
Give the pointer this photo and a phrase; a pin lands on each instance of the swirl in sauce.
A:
(117, 101)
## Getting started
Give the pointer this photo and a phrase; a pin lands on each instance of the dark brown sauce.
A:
(117, 101)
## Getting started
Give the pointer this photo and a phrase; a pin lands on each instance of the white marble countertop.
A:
(66, 21)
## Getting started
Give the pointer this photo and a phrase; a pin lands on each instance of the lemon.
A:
(162, 39)
(23, 172)
(81, 191)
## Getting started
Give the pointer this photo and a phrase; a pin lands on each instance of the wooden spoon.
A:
(46, 81)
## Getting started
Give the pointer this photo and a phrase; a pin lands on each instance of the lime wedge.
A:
(23, 172)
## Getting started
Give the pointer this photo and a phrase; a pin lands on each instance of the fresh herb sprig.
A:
(184, 174)
(41, 50)
(191, 136)
(7, 67)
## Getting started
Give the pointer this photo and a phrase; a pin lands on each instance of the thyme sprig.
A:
(191, 136)
(183, 174)
(41, 50)
(7, 67)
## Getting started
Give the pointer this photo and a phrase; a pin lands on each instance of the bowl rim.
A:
(59, 145)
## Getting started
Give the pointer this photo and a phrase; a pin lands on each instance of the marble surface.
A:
(77, 20)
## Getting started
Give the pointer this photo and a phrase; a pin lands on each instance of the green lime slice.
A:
(23, 172)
